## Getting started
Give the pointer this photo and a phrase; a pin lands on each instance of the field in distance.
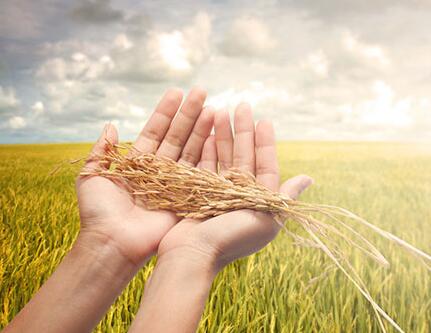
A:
(389, 184)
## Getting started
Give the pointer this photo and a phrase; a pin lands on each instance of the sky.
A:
(321, 70)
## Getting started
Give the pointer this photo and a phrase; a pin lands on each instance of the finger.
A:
(209, 155)
(224, 140)
(267, 172)
(243, 149)
(293, 187)
(191, 153)
(109, 134)
(155, 130)
(182, 125)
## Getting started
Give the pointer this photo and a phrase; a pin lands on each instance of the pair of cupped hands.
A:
(190, 252)
(181, 130)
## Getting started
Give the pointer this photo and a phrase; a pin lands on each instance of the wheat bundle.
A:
(161, 183)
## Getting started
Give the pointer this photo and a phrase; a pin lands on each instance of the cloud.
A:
(248, 37)
(374, 53)
(84, 101)
(96, 12)
(65, 48)
(380, 114)
(85, 83)
(138, 24)
(75, 93)
(17, 122)
(78, 67)
(336, 10)
(9, 107)
(384, 109)
(163, 55)
(122, 42)
(24, 12)
(320, 70)
(8, 100)
(38, 108)
(256, 94)
(318, 63)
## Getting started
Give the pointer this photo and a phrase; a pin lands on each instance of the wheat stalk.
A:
(161, 183)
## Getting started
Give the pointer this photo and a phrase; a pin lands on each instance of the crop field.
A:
(388, 184)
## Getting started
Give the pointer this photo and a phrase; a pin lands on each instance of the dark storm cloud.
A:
(96, 12)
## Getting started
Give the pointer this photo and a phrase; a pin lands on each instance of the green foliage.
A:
(388, 184)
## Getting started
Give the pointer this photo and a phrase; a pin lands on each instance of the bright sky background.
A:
(322, 70)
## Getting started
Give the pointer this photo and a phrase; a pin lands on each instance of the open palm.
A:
(239, 233)
(108, 211)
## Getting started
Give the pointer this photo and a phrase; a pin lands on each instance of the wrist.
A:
(191, 260)
(105, 255)
(80, 290)
(176, 292)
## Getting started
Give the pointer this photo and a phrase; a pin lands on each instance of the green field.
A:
(388, 184)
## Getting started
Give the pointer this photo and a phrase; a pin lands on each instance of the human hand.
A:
(108, 212)
(193, 251)
(222, 239)
(116, 235)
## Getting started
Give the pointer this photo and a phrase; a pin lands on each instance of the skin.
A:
(107, 210)
(194, 251)
(118, 237)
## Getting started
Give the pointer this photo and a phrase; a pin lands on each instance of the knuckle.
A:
(195, 102)
(225, 164)
(266, 170)
(174, 139)
(151, 134)
(190, 157)
(172, 100)
(243, 163)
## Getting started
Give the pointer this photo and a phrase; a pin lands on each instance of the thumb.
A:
(293, 187)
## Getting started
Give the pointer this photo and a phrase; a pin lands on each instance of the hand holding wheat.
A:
(117, 235)
(108, 212)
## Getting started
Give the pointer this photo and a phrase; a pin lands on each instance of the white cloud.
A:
(385, 109)
(170, 48)
(162, 55)
(197, 38)
(248, 37)
(318, 63)
(89, 99)
(38, 108)
(64, 48)
(368, 51)
(8, 99)
(137, 111)
(78, 66)
(256, 94)
(17, 122)
(122, 42)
